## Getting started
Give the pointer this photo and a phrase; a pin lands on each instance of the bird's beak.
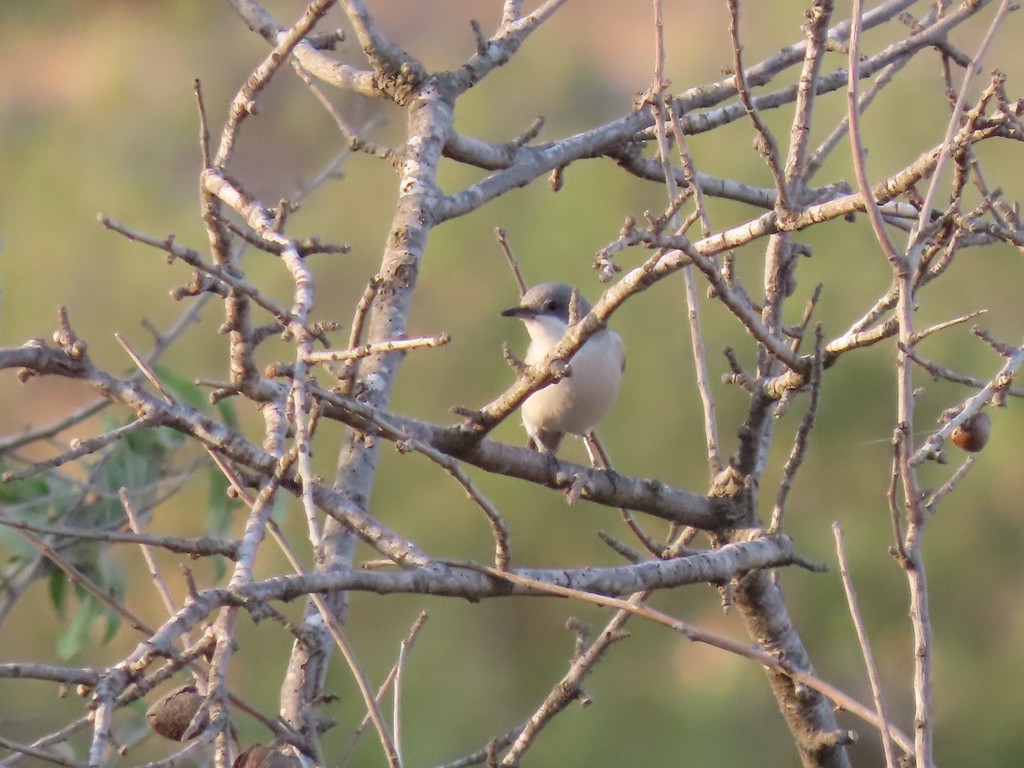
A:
(521, 312)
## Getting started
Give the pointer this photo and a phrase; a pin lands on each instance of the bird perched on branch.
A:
(576, 403)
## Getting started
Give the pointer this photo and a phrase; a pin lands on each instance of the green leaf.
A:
(113, 624)
(58, 590)
(76, 636)
(137, 462)
(18, 550)
(22, 491)
(109, 578)
(63, 494)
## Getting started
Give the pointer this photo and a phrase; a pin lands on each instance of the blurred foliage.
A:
(137, 463)
(97, 114)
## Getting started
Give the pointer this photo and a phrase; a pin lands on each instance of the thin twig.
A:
(333, 629)
(953, 125)
(87, 411)
(203, 547)
(698, 635)
(947, 487)
(999, 384)
(375, 349)
(41, 754)
(698, 349)
(808, 313)
(865, 646)
(346, 377)
(79, 449)
(499, 528)
(568, 689)
(154, 571)
(353, 137)
(513, 262)
(601, 459)
(768, 148)
(803, 433)
(406, 645)
(88, 585)
(145, 368)
(857, 145)
(193, 259)
(244, 103)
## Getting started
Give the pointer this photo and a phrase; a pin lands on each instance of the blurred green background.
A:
(97, 114)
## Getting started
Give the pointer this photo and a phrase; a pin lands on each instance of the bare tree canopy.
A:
(292, 517)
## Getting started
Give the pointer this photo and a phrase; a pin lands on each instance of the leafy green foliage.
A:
(79, 631)
(139, 463)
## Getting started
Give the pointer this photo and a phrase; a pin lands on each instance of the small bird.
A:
(576, 403)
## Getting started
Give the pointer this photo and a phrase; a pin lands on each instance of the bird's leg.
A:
(595, 451)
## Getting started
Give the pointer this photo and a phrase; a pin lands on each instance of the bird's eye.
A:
(551, 305)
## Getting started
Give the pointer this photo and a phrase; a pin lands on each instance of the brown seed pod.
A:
(973, 434)
(266, 756)
(171, 714)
